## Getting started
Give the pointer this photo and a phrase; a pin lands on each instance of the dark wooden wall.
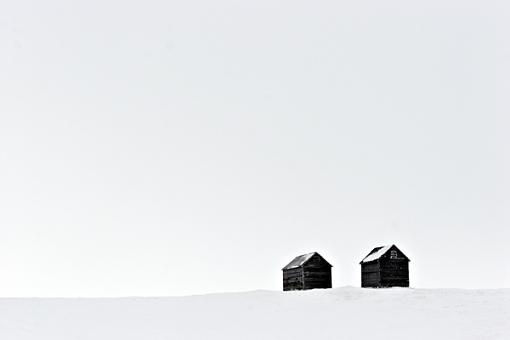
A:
(293, 279)
(394, 273)
(317, 277)
(317, 273)
(370, 275)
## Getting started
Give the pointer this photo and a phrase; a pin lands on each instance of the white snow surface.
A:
(377, 254)
(340, 313)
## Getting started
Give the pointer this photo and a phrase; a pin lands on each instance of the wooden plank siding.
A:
(317, 275)
(394, 273)
(293, 279)
(370, 274)
(314, 273)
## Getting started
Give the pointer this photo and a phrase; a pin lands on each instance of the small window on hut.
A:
(393, 254)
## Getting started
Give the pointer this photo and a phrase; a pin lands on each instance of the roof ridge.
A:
(299, 260)
(377, 252)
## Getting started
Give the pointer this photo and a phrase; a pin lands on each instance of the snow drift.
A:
(341, 313)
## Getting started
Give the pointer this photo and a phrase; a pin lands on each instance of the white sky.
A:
(169, 148)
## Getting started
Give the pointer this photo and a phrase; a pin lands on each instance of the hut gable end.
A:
(394, 254)
(385, 266)
(316, 261)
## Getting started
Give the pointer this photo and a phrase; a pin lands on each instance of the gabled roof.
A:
(301, 260)
(377, 252)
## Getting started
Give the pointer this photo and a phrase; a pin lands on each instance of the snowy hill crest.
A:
(340, 313)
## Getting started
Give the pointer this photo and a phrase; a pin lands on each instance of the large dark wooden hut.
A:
(385, 267)
(307, 271)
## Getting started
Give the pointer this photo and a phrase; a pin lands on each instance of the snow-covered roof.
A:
(302, 259)
(299, 261)
(376, 253)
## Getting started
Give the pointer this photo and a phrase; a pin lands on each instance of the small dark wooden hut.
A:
(385, 267)
(307, 271)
